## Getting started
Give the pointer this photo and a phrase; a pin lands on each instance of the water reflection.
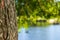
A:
(22, 35)
(40, 33)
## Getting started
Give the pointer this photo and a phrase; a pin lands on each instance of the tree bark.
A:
(8, 22)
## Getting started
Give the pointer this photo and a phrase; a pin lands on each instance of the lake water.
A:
(52, 32)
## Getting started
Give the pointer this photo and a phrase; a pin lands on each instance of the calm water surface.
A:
(51, 32)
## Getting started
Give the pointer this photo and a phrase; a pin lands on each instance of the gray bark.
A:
(8, 22)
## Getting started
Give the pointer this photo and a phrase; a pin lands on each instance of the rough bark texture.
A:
(8, 25)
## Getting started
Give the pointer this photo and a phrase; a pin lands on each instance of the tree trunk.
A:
(8, 23)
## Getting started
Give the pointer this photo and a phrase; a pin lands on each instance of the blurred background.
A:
(40, 17)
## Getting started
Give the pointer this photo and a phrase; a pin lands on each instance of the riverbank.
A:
(36, 21)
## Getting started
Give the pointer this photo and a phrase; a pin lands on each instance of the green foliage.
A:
(29, 10)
